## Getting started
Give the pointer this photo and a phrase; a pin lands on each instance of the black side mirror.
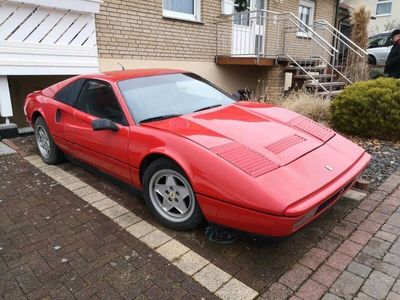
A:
(104, 124)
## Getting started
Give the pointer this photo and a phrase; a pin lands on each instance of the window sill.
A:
(302, 35)
(189, 18)
(382, 15)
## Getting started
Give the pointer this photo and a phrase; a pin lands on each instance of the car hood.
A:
(258, 131)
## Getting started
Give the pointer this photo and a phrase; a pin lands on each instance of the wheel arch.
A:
(372, 59)
(151, 157)
(36, 114)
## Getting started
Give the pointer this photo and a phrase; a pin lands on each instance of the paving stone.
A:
(359, 269)
(378, 285)
(392, 259)
(347, 285)
(311, 290)
(376, 264)
(155, 238)
(172, 250)
(395, 247)
(94, 197)
(350, 248)
(368, 205)
(377, 247)
(235, 289)
(369, 226)
(104, 204)
(295, 276)
(355, 195)
(212, 277)
(115, 211)
(395, 219)
(357, 215)
(329, 296)
(386, 236)
(277, 291)
(378, 217)
(385, 209)
(326, 275)
(396, 287)
(140, 229)
(360, 236)
(393, 296)
(344, 228)
(314, 257)
(363, 296)
(84, 191)
(339, 261)
(190, 263)
(127, 220)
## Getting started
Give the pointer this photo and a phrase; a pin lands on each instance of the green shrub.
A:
(369, 109)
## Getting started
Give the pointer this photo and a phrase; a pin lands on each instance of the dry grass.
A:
(306, 104)
(358, 68)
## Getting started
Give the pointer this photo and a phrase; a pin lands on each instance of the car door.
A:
(107, 150)
(61, 116)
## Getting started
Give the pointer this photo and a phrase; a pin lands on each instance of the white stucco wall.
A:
(377, 25)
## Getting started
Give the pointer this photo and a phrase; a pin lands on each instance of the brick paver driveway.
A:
(54, 243)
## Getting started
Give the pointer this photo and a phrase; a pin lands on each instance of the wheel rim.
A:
(172, 195)
(43, 141)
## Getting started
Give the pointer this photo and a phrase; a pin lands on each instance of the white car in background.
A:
(379, 47)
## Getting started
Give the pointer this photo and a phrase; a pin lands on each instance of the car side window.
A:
(97, 98)
(69, 94)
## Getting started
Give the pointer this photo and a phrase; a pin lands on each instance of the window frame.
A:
(310, 4)
(124, 121)
(68, 85)
(195, 17)
(380, 2)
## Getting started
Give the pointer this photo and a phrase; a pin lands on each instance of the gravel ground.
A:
(385, 159)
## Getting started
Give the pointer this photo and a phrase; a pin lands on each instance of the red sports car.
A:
(197, 153)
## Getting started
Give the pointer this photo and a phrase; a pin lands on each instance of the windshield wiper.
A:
(208, 107)
(163, 117)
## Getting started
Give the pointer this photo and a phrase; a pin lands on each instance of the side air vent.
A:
(285, 143)
(313, 128)
(249, 161)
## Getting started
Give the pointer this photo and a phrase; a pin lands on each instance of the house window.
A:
(306, 15)
(188, 10)
(384, 7)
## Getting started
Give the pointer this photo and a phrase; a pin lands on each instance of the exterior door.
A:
(107, 150)
(248, 29)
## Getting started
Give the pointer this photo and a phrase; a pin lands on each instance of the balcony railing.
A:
(283, 36)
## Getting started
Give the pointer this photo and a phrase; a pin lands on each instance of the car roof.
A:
(130, 74)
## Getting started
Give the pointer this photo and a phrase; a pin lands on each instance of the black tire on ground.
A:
(155, 170)
(55, 155)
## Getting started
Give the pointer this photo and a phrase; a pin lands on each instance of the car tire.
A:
(48, 150)
(169, 195)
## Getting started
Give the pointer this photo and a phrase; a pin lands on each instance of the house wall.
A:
(135, 34)
(378, 25)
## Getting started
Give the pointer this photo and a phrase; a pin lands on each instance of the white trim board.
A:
(92, 6)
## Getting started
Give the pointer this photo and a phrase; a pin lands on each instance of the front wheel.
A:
(48, 151)
(170, 197)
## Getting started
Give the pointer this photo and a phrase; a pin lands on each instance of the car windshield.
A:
(379, 40)
(162, 96)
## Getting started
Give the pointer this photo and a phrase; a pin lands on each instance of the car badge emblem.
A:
(328, 167)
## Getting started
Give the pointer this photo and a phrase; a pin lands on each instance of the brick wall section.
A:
(135, 29)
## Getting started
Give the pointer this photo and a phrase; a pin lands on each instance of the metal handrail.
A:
(342, 35)
(308, 34)
(331, 65)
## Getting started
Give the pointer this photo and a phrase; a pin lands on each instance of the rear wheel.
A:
(170, 197)
(48, 151)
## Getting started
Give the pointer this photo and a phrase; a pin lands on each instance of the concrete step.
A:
(332, 93)
(336, 84)
(316, 76)
(307, 68)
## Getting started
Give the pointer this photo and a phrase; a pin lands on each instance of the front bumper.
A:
(247, 220)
